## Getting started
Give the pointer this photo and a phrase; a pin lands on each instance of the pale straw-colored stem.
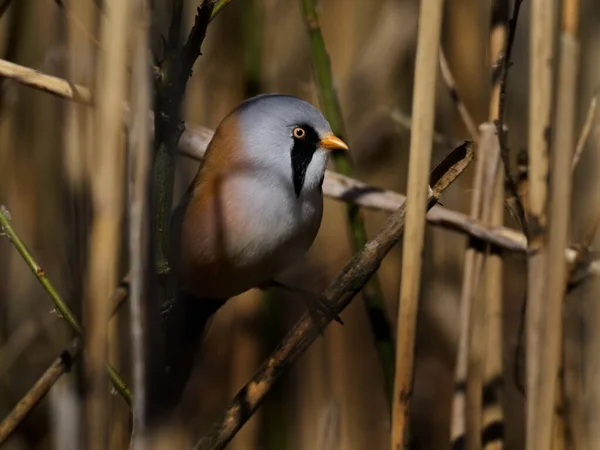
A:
(423, 115)
(540, 384)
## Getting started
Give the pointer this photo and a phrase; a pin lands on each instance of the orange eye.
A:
(299, 133)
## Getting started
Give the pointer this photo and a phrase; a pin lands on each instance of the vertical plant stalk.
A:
(492, 434)
(540, 384)
(139, 165)
(423, 115)
(65, 313)
(551, 386)
(171, 81)
(514, 201)
(468, 382)
(372, 294)
(470, 364)
(107, 184)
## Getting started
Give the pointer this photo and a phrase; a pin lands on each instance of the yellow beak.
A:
(332, 142)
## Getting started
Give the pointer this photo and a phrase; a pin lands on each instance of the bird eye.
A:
(299, 133)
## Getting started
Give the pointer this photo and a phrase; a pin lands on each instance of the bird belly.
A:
(251, 239)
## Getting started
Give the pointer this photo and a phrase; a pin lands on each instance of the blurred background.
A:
(334, 397)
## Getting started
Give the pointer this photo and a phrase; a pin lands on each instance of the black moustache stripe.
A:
(302, 154)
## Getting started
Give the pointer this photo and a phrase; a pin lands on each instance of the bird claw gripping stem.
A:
(319, 307)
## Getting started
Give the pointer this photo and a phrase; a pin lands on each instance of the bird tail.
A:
(183, 323)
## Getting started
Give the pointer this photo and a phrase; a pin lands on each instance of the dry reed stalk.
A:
(340, 293)
(540, 384)
(79, 118)
(423, 115)
(492, 434)
(139, 178)
(551, 397)
(468, 382)
(106, 186)
(45, 83)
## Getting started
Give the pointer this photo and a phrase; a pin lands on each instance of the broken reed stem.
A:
(45, 83)
(492, 433)
(339, 294)
(468, 381)
(585, 130)
(542, 347)
(458, 103)
(60, 365)
(423, 115)
(328, 99)
(559, 224)
(139, 178)
(107, 159)
(55, 371)
(195, 139)
(63, 309)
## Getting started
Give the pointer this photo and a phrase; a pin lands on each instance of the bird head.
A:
(282, 136)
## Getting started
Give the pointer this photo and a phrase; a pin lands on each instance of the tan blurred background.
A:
(334, 396)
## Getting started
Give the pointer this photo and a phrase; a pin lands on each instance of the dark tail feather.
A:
(183, 324)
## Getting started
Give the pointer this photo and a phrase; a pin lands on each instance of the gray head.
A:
(288, 137)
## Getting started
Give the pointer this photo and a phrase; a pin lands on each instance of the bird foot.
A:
(319, 307)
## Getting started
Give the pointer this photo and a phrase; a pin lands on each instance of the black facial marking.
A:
(302, 153)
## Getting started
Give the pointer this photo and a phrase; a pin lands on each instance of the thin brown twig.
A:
(39, 390)
(450, 83)
(423, 114)
(515, 203)
(585, 130)
(339, 294)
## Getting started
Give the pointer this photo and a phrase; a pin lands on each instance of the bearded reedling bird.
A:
(253, 210)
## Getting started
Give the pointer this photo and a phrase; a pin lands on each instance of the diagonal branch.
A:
(60, 366)
(340, 293)
(66, 314)
(450, 83)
